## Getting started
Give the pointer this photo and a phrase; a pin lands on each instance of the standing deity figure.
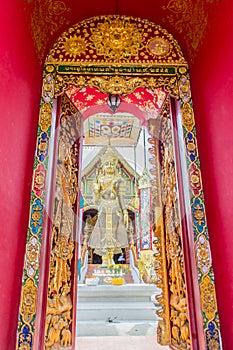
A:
(109, 235)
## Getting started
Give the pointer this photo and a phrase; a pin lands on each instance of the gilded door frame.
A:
(95, 53)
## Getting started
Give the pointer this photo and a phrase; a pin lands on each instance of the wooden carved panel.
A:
(179, 319)
(59, 303)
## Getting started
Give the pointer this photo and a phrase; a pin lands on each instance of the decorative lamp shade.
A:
(114, 102)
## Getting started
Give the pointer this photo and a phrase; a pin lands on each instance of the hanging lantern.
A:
(114, 102)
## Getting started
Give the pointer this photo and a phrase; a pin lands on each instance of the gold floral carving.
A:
(187, 116)
(25, 346)
(199, 214)
(209, 304)
(28, 304)
(48, 86)
(184, 87)
(213, 340)
(45, 117)
(74, 46)
(168, 83)
(32, 261)
(64, 81)
(116, 39)
(116, 84)
(203, 254)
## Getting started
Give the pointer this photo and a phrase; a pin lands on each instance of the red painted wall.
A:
(212, 80)
(20, 80)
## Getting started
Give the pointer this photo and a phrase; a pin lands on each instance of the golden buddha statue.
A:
(109, 235)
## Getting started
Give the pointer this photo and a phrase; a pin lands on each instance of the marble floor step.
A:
(117, 312)
(115, 328)
(128, 292)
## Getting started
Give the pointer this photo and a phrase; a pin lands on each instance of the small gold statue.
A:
(110, 232)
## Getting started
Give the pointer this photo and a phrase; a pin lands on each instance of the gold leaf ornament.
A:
(74, 46)
(29, 300)
(208, 297)
(117, 39)
(24, 346)
(45, 116)
(187, 116)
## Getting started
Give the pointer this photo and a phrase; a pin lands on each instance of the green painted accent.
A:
(122, 70)
(46, 162)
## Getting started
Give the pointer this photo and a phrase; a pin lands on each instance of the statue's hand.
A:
(126, 220)
(96, 188)
(85, 243)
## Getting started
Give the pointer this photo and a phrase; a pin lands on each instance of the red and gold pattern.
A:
(146, 100)
(116, 39)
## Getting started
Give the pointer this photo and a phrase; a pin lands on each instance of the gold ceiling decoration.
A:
(117, 38)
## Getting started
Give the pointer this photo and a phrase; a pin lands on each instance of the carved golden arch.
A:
(117, 54)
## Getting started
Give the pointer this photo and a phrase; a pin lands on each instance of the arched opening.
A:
(131, 58)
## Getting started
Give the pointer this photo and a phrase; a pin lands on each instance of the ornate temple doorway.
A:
(107, 82)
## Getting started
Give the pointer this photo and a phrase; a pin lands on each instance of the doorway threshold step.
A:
(115, 328)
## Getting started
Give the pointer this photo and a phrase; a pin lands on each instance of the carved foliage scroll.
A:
(59, 304)
(159, 247)
(179, 318)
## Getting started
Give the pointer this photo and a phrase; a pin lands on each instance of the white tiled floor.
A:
(118, 343)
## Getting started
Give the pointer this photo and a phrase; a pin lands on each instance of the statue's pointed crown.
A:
(108, 155)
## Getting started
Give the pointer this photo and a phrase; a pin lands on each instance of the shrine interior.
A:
(107, 289)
